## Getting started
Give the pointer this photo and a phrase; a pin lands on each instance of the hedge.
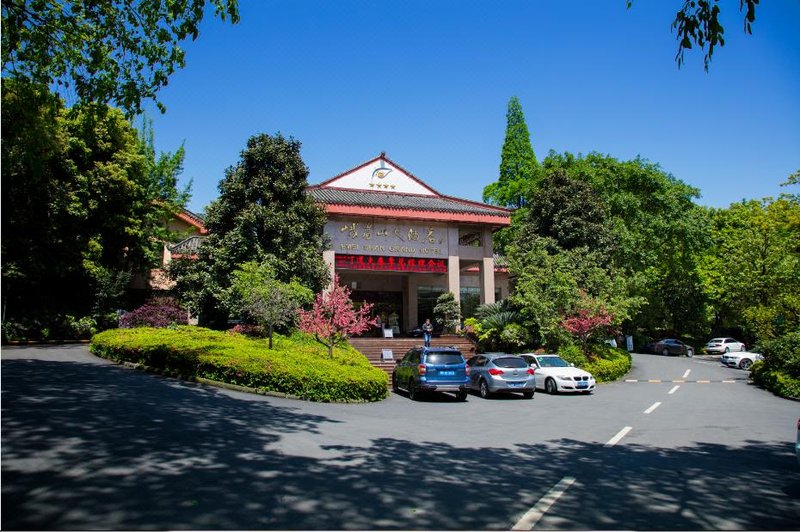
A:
(609, 364)
(296, 365)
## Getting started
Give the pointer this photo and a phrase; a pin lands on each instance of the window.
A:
(470, 237)
(470, 300)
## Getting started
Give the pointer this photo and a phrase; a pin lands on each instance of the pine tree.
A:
(518, 165)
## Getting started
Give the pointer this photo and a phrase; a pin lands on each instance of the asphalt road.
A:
(91, 445)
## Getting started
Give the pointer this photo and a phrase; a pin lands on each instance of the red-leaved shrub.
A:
(155, 314)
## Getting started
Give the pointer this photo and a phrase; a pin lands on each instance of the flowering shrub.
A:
(333, 317)
(154, 314)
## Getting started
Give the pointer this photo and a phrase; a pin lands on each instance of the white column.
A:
(487, 268)
(329, 256)
(454, 276)
(487, 281)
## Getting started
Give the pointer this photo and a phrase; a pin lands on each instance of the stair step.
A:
(372, 348)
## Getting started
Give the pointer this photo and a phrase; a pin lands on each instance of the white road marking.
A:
(674, 389)
(621, 434)
(655, 405)
(687, 373)
(532, 516)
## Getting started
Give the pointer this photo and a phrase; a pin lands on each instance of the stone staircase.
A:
(372, 348)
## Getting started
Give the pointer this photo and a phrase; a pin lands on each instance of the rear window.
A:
(444, 358)
(510, 362)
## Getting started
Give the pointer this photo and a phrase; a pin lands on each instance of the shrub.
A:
(608, 363)
(294, 366)
(574, 355)
(783, 354)
(155, 314)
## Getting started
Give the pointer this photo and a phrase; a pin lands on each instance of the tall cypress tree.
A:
(518, 165)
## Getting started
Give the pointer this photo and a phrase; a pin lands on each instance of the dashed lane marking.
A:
(653, 407)
(687, 373)
(683, 381)
(674, 389)
(532, 516)
(621, 434)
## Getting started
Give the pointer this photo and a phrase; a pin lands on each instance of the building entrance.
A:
(387, 305)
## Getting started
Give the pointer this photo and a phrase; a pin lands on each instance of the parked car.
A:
(492, 373)
(741, 360)
(671, 346)
(724, 345)
(554, 374)
(432, 369)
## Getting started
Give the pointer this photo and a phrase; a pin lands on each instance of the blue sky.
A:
(428, 82)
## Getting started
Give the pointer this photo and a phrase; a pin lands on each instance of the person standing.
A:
(427, 331)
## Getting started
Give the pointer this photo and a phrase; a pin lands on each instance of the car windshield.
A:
(553, 362)
(444, 358)
(715, 340)
(510, 362)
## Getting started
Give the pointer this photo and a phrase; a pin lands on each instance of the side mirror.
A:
(571, 365)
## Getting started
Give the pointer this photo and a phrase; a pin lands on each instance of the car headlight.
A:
(564, 377)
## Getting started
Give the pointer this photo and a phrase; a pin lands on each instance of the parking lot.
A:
(87, 444)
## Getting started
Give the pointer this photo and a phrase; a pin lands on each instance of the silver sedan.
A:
(492, 373)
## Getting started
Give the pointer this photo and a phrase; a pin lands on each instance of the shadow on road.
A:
(89, 446)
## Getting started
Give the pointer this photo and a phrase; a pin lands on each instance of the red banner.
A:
(390, 264)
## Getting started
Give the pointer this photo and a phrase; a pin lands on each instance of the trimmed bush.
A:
(779, 372)
(609, 364)
(296, 365)
(155, 314)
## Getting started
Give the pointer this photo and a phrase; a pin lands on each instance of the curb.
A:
(43, 342)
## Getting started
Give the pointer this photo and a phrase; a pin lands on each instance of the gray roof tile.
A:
(389, 200)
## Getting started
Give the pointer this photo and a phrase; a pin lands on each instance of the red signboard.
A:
(390, 264)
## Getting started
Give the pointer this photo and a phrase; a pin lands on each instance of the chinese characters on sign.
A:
(370, 238)
(392, 264)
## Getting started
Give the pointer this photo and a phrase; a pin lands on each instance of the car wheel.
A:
(485, 393)
(550, 386)
(690, 353)
(413, 394)
(727, 349)
(527, 395)
(665, 352)
(462, 396)
(745, 363)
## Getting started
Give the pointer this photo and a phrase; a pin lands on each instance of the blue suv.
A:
(432, 369)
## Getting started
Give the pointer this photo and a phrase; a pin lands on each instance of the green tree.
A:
(256, 295)
(103, 51)
(518, 165)
(447, 312)
(262, 211)
(658, 235)
(569, 211)
(697, 23)
(79, 209)
(752, 271)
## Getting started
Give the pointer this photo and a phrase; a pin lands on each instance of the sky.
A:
(429, 81)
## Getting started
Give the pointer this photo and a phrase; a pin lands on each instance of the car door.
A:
(477, 366)
(538, 376)
(403, 370)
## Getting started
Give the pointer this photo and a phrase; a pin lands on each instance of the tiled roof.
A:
(389, 200)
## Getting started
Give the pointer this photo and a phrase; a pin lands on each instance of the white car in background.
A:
(553, 374)
(741, 360)
(724, 345)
